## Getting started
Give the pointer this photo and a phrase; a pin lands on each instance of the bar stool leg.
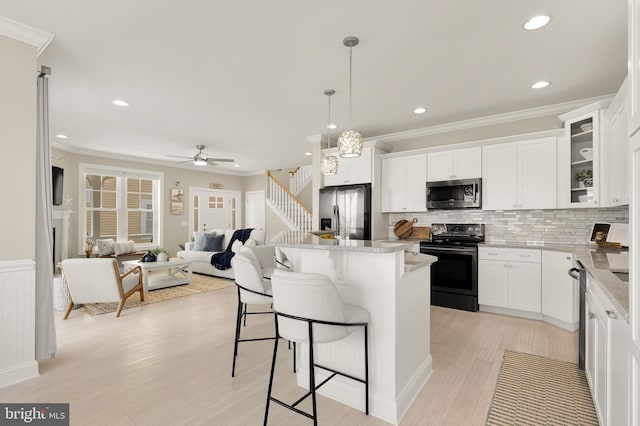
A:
(235, 347)
(273, 367)
(312, 374)
(366, 369)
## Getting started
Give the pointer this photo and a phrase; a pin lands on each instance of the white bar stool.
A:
(308, 309)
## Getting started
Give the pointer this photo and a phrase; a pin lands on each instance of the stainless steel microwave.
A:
(455, 194)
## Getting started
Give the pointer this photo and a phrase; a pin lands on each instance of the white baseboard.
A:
(530, 315)
(18, 373)
(413, 387)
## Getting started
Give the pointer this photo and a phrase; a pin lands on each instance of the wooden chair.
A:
(100, 281)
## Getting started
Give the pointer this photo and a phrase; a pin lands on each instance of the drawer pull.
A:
(525, 255)
(492, 254)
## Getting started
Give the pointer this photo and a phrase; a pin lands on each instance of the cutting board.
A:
(403, 229)
(421, 233)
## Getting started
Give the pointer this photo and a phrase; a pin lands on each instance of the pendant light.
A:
(350, 141)
(329, 163)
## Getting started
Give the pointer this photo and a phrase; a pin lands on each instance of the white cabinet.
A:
(614, 182)
(454, 164)
(519, 175)
(352, 170)
(607, 357)
(579, 158)
(509, 278)
(403, 183)
(560, 292)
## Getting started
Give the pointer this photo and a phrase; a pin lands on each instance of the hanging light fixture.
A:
(329, 163)
(350, 141)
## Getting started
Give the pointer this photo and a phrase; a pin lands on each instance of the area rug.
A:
(199, 284)
(534, 390)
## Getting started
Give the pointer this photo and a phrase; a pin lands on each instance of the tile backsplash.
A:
(516, 226)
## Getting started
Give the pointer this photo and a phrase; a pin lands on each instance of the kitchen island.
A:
(393, 285)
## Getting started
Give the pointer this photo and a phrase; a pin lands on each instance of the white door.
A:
(213, 209)
(634, 299)
(524, 286)
(415, 186)
(468, 163)
(493, 281)
(559, 290)
(499, 176)
(537, 174)
(440, 166)
(254, 209)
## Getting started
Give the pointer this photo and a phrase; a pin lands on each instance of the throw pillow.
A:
(236, 246)
(250, 243)
(198, 243)
(124, 247)
(105, 247)
(212, 242)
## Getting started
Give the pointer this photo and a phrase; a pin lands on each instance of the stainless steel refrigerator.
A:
(346, 210)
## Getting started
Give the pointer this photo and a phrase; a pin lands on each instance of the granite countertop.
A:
(309, 241)
(413, 260)
(597, 262)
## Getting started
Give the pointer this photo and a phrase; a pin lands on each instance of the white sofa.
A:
(202, 259)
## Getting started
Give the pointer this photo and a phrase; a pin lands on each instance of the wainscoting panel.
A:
(17, 321)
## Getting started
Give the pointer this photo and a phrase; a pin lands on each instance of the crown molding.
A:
(25, 34)
(491, 119)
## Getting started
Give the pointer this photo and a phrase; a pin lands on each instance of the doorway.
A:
(254, 209)
(213, 209)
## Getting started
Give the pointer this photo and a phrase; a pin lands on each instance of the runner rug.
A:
(199, 284)
(534, 390)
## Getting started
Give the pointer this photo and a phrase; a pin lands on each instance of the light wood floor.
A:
(169, 363)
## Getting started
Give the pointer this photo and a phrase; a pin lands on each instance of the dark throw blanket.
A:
(222, 260)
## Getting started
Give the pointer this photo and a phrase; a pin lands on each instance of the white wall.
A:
(18, 143)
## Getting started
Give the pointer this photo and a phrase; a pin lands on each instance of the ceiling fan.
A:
(201, 159)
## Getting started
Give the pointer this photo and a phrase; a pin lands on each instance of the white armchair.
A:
(100, 281)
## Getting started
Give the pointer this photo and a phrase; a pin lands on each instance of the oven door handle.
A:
(458, 250)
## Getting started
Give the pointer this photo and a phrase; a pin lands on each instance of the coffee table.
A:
(177, 272)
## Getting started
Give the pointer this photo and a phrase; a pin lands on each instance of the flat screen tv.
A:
(57, 174)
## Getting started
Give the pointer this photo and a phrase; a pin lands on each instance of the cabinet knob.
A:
(612, 314)
(591, 315)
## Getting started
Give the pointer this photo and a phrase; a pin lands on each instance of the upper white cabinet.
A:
(519, 175)
(352, 170)
(614, 182)
(560, 292)
(454, 164)
(404, 183)
(579, 158)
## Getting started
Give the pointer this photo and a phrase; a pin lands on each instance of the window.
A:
(121, 204)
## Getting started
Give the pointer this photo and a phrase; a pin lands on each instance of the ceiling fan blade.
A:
(177, 156)
(222, 160)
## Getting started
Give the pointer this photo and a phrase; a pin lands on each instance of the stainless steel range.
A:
(454, 277)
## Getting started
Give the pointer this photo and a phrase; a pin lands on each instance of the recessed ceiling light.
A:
(420, 110)
(540, 84)
(236, 165)
(119, 102)
(307, 153)
(61, 136)
(536, 22)
(332, 126)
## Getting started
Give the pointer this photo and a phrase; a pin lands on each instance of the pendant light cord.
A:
(350, 95)
(329, 125)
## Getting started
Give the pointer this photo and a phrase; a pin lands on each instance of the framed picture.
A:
(600, 231)
(176, 207)
(177, 194)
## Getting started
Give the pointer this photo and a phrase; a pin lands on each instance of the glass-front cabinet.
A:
(579, 159)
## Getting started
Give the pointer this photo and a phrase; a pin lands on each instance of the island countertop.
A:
(305, 240)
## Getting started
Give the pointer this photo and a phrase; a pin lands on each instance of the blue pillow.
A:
(198, 242)
(212, 242)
